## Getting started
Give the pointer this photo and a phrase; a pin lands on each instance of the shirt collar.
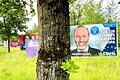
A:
(83, 50)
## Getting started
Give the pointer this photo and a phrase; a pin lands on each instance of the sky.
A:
(33, 20)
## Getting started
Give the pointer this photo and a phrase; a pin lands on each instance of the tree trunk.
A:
(8, 44)
(53, 18)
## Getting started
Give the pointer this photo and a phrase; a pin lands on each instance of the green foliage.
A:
(32, 11)
(75, 13)
(92, 13)
(89, 12)
(112, 12)
(15, 37)
(69, 66)
(35, 30)
(71, 1)
(13, 16)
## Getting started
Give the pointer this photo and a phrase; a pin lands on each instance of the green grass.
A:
(96, 69)
(16, 66)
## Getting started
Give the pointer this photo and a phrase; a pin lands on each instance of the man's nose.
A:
(81, 39)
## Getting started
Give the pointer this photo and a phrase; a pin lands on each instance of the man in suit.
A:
(81, 37)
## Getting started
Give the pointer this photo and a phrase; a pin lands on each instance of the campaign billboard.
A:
(94, 39)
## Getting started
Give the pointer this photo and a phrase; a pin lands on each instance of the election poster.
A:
(32, 47)
(94, 39)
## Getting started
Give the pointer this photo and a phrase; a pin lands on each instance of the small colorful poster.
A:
(32, 47)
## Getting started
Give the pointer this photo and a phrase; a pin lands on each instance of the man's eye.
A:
(84, 36)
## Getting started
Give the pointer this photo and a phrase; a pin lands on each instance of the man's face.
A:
(81, 37)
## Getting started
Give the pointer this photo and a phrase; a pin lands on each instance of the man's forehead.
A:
(81, 29)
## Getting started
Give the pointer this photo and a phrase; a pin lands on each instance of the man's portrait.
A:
(81, 38)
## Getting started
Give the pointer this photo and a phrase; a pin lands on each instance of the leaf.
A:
(69, 66)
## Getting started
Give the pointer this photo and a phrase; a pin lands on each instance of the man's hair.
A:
(81, 26)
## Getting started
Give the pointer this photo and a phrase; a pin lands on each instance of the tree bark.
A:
(8, 44)
(53, 18)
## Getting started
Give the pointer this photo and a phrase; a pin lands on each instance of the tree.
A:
(86, 12)
(53, 18)
(92, 13)
(112, 11)
(35, 30)
(12, 18)
(75, 13)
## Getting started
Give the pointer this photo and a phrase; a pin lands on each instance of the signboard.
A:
(32, 47)
(94, 39)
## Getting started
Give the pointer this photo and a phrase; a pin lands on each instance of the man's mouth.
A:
(81, 44)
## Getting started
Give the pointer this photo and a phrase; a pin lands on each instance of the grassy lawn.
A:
(16, 66)
(97, 69)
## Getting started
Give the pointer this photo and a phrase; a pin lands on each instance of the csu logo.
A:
(94, 30)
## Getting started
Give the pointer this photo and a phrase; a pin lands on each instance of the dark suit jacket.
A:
(92, 51)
